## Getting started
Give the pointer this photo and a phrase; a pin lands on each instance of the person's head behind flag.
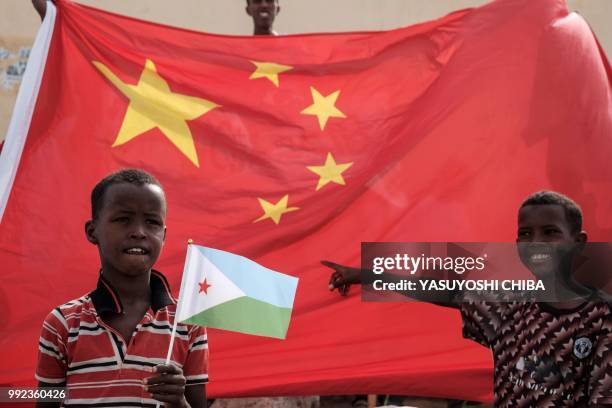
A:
(264, 13)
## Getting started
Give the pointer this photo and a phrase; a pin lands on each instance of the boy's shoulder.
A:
(71, 313)
(603, 302)
(605, 298)
(74, 304)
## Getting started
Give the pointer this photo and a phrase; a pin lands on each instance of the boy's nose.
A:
(539, 237)
(137, 232)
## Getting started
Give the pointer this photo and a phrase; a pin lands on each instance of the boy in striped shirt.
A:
(108, 347)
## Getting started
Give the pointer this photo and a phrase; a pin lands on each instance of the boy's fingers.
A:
(167, 374)
(167, 369)
(166, 389)
(332, 265)
(332, 280)
(168, 398)
(165, 379)
(336, 280)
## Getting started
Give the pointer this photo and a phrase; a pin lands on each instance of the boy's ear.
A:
(581, 240)
(90, 232)
(165, 229)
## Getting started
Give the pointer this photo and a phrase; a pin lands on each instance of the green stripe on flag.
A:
(246, 315)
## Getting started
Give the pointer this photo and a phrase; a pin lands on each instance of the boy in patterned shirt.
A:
(108, 347)
(545, 354)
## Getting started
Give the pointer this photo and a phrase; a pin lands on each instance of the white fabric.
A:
(24, 107)
(191, 300)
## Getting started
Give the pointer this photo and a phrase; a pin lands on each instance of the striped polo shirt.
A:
(99, 367)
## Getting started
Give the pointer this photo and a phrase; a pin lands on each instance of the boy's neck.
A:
(130, 289)
(264, 31)
(569, 293)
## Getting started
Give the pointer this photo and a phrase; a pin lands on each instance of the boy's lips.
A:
(136, 251)
(538, 258)
(264, 13)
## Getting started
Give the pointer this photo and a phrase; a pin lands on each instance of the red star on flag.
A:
(204, 287)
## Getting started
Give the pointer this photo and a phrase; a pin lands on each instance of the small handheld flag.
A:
(228, 291)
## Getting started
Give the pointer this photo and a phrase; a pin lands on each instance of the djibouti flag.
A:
(230, 292)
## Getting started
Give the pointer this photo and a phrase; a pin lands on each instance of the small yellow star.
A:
(323, 107)
(154, 105)
(269, 70)
(275, 211)
(330, 172)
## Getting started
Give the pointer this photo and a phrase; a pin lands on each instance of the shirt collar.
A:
(106, 300)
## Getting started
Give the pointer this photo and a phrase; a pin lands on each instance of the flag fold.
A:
(292, 149)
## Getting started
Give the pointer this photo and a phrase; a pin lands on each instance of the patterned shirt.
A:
(99, 367)
(543, 356)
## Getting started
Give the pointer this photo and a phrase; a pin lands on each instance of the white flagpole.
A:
(176, 315)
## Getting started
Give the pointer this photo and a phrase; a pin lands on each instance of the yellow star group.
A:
(152, 105)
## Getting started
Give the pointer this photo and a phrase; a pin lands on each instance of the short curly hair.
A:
(573, 213)
(132, 176)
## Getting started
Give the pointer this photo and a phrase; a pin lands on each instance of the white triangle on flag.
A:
(221, 289)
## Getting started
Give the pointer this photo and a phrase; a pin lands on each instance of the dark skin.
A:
(546, 247)
(538, 225)
(264, 13)
(129, 232)
(41, 7)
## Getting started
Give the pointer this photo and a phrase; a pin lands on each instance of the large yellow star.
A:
(269, 70)
(275, 211)
(154, 105)
(330, 172)
(323, 107)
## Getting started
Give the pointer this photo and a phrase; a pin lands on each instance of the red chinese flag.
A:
(293, 149)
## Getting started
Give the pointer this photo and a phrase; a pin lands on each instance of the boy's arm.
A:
(196, 396)
(480, 319)
(344, 276)
(46, 404)
(41, 7)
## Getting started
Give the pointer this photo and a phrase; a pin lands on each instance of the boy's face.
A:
(545, 239)
(263, 12)
(130, 228)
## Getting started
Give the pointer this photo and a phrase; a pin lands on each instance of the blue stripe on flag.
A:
(253, 279)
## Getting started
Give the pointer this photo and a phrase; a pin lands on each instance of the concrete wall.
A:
(19, 22)
(18, 18)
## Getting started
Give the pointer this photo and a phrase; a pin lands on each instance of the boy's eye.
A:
(121, 219)
(154, 222)
(552, 231)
